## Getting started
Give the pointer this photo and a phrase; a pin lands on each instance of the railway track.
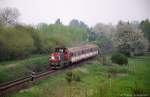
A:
(13, 85)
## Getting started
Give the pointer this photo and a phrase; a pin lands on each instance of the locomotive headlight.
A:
(52, 57)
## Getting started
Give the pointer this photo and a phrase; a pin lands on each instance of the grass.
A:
(11, 70)
(96, 80)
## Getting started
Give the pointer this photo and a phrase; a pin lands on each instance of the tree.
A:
(91, 35)
(104, 30)
(129, 41)
(77, 23)
(58, 21)
(16, 43)
(80, 25)
(53, 35)
(102, 37)
(74, 23)
(37, 41)
(145, 26)
(9, 15)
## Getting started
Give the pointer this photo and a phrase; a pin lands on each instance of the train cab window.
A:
(61, 50)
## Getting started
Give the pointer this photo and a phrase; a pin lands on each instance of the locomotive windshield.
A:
(61, 50)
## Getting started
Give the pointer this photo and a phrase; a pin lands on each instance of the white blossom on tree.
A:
(129, 40)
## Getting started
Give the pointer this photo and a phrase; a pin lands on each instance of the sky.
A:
(89, 11)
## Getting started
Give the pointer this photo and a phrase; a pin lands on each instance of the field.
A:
(96, 80)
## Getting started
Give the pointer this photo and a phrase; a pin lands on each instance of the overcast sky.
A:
(89, 11)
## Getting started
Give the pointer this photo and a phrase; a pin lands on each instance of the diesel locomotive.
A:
(64, 56)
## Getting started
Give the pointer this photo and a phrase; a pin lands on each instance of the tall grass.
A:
(16, 69)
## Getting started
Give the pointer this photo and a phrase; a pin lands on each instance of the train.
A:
(64, 56)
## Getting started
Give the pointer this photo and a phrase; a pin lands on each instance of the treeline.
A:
(18, 41)
(130, 38)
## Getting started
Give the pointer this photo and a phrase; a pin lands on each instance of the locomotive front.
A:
(59, 58)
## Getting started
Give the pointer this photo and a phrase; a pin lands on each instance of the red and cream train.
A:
(65, 56)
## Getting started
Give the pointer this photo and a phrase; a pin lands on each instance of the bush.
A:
(119, 58)
(72, 76)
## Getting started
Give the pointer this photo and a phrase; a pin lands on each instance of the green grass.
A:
(97, 80)
(11, 70)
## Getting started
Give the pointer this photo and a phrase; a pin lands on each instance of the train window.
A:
(82, 51)
(74, 54)
(79, 53)
(86, 51)
(95, 49)
(90, 49)
(71, 54)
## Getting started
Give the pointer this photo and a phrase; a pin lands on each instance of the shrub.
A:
(119, 58)
(72, 76)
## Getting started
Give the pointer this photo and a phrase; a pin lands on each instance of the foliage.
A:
(145, 26)
(58, 21)
(72, 76)
(78, 24)
(20, 41)
(92, 35)
(129, 40)
(136, 90)
(119, 58)
(95, 82)
(54, 35)
(12, 70)
(104, 30)
(15, 43)
(117, 69)
(105, 44)
(101, 34)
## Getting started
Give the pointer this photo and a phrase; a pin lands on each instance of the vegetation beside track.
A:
(12, 70)
(96, 80)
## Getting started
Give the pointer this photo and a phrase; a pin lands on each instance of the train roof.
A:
(73, 49)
